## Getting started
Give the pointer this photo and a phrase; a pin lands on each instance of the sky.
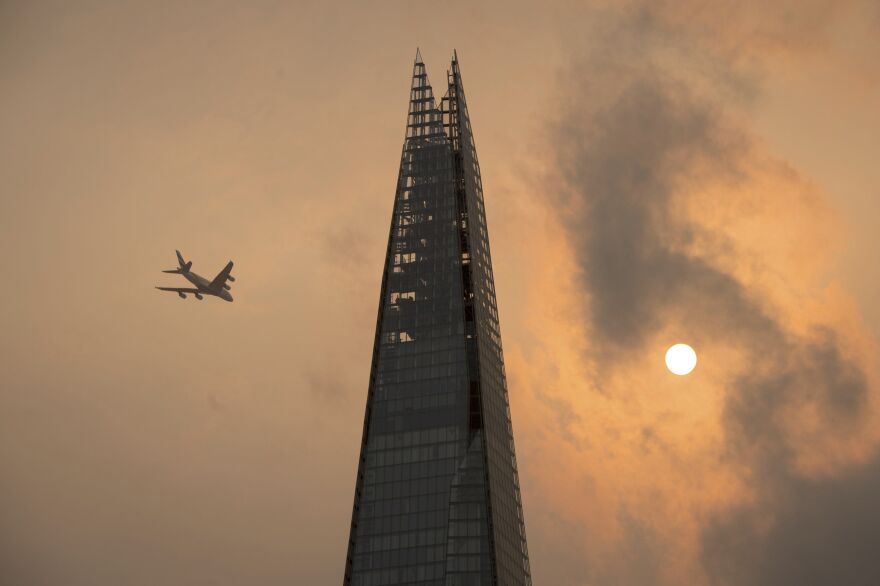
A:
(654, 172)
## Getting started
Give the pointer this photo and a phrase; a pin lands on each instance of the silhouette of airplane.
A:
(217, 287)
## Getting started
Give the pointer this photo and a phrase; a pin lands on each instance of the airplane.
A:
(217, 287)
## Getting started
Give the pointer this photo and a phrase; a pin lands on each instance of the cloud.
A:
(623, 165)
(820, 532)
(652, 150)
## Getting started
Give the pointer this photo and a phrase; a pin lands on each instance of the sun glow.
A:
(681, 359)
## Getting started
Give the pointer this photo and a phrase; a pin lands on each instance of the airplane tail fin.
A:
(184, 266)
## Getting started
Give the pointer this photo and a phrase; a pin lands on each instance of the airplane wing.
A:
(179, 289)
(222, 277)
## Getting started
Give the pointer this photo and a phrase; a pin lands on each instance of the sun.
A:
(681, 359)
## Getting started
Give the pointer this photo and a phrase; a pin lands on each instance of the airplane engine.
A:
(231, 278)
(225, 286)
(182, 295)
(198, 296)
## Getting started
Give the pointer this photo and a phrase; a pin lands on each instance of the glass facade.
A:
(437, 496)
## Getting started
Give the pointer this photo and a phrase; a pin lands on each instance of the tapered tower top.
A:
(437, 491)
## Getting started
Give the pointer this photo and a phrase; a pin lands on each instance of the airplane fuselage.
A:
(204, 285)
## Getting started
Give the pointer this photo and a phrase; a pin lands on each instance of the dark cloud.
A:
(623, 164)
(817, 532)
(633, 142)
(799, 530)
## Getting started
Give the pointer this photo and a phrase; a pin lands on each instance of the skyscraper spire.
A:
(424, 119)
(437, 494)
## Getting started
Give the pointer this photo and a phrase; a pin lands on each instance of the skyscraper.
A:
(437, 498)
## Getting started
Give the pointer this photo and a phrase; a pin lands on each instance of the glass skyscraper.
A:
(437, 499)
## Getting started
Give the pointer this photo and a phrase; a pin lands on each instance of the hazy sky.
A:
(654, 172)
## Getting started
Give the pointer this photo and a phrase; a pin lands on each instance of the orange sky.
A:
(654, 172)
